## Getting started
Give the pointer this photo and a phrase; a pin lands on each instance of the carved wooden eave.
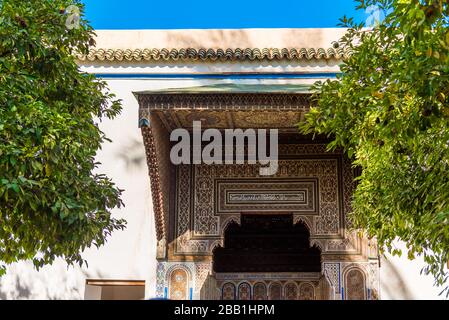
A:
(155, 183)
(167, 111)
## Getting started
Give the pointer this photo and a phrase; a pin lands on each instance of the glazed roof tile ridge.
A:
(205, 55)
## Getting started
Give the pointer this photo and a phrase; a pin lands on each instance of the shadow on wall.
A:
(393, 285)
(133, 154)
(23, 282)
(19, 290)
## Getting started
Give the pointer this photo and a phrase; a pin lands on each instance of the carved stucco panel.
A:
(199, 228)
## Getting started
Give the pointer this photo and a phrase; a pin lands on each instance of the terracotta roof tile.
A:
(211, 55)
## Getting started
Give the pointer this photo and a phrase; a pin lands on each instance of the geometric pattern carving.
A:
(270, 289)
(324, 170)
(212, 54)
(245, 195)
(357, 277)
(198, 225)
(160, 280)
(183, 202)
(226, 220)
(260, 291)
(374, 280)
(155, 181)
(198, 228)
(284, 121)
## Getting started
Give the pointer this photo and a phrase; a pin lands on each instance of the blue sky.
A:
(222, 14)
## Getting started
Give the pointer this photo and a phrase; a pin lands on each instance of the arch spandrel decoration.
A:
(291, 291)
(228, 291)
(355, 284)
(244, 291)
(179, 285)
(306, 292)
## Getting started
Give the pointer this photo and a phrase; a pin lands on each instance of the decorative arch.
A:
(306, 291)
(355, 284)
(179, 282)
(178, 285)
(266, 243)
(228, 291)
(244, 291)
(291, 291)
(216, 244)
(260, 291)
(179, 266)
(317, 244)
(275, 291)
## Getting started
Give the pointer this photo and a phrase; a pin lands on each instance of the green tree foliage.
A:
(52, 203)
(389, 110)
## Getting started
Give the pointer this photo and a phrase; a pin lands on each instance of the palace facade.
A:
(224, 231)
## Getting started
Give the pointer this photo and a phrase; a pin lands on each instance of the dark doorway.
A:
(266, 243)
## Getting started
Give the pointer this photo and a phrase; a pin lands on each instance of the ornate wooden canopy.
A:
(160, 113)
